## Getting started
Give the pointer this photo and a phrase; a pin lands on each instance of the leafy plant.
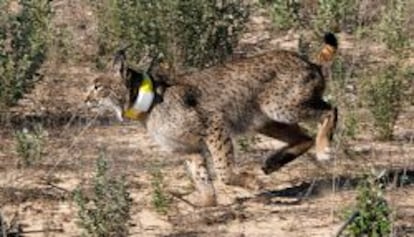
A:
(160, 200)
(373, 216)
(199, 32)
(61, 46)
(351, 124)
(107, 211)
(23, 44)
(209, 30)
(383, 93)
(391, 29)
(285, 13)
(333, 15)
(30, 145)
(341, 76)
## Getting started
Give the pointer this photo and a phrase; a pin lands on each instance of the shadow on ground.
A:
(391, 178)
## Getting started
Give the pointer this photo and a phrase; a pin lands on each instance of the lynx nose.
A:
(88, 100)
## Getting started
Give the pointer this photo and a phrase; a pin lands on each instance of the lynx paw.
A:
(199, 199)
(325, 154)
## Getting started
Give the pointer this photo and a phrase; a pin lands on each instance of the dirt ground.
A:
(304, 198)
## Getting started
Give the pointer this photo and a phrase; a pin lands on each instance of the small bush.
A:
(160, 200)
(23, 41)
(373, 217)
(209, 31)
(107, 211)
(336, 15)
(61, 46)
(391, 28)
(285, 13)
(321, 15)
(200, 32)
(383, 93)
(30, 145)
(351, 124)
(341, 93)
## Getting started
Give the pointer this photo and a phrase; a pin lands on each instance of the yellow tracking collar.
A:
(132, 114)
(146, 85)
(143, 101)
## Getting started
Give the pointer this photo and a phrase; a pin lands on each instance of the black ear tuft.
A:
(119, 60)
(331, 40)
(119, 57)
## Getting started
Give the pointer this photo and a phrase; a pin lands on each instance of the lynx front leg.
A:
(202, 181)
(220, 145)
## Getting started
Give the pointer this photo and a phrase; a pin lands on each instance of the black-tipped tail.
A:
(328, 51)
(330, 39)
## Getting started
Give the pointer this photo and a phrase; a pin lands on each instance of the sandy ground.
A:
(305, 198)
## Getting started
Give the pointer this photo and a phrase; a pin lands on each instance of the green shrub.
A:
(335, 15)
(107, 211)
(23, 41)
(383, 93)
(351, 124)
(342, 73)
(321, 15)
(61, 46)
(199, 32)
(139, 23)
(373, 217)
(160, 200)
(209, 31)
(284, 13)
(392, 26)
(30, 145)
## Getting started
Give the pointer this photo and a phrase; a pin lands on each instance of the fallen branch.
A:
(354, 215)
(14, 229)
(308, 191)
(177, 196)
(49, 183)
(2, 225)
(19, 232)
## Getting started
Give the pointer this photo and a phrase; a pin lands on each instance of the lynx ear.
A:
(118, 63)
(118, 67)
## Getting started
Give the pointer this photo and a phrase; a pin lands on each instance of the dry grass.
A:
(305, 198)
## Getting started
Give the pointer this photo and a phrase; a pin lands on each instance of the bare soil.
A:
(304, 198)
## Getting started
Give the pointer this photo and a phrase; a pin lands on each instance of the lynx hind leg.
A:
(324, 135)
(197, 168)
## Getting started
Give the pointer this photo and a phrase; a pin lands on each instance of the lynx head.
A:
(107, 94)
(126, 91)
